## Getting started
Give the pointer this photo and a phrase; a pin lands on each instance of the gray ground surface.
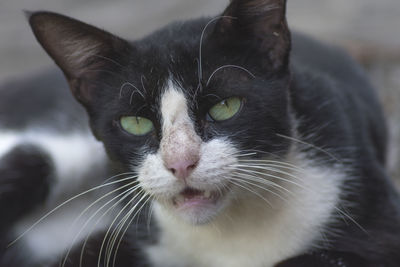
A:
(370, 28)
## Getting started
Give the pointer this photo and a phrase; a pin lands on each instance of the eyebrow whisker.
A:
(229, 66)
(136, 90)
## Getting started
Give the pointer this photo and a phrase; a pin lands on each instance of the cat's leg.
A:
(25, 178)
(328, 259)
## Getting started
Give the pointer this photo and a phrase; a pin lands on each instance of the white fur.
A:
(173, 107)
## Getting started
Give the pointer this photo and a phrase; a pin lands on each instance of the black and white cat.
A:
(250, 146)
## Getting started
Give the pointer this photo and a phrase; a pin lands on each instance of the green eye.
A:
(136, 125)
(225, 109)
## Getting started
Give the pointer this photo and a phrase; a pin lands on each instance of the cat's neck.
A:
(269, 232)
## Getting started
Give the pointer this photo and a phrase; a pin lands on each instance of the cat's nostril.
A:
(182, 169)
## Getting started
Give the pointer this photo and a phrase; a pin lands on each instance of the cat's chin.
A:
(198, 206)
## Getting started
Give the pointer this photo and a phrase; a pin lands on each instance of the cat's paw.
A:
(25, 177)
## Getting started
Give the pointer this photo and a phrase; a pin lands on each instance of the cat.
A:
(249, 145)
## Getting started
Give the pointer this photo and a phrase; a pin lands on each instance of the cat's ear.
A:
(79, 49)
(260, 24)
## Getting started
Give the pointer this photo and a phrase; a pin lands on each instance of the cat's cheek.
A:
(156, 180)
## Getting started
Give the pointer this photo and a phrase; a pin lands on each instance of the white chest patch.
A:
(251, 232)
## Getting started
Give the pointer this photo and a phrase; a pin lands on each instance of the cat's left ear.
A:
(80, 50)
(260, 25)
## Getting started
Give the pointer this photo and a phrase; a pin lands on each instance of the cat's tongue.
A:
(192, 198)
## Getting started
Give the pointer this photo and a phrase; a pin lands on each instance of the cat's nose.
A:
(182, 168)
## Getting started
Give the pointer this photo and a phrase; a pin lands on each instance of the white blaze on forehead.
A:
(173, 106)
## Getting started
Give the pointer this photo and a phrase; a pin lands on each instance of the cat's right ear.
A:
(261, 25)
(80, 50)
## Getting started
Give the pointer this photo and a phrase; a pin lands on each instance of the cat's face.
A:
(187, 108)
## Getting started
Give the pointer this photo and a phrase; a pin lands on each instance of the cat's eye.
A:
(225, 109)
(136, 125)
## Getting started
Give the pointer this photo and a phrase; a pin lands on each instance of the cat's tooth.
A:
(207, 194)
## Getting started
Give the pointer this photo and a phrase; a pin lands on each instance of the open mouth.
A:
(191, 198)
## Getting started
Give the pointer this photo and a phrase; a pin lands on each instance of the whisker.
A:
(237, 183)
(259, 186)
(150, 215)
(141, 81)
(352, 220)
(93, 215)
(126, 228)
(111, 225)
(310, 145)
(118, 175)
(274, 176)
(136, 90)
(63, 204)
(246, 155)
(125, 194)
(229, 66)
(282, 169)
(272, 167)
(269, 154)
(259, 161)
(99, 199)
(265, 182)
(118, 228)
(200, 67)
(289, 181)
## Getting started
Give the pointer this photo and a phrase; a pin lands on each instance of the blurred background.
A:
(369, 29)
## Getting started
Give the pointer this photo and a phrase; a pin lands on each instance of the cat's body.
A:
(297, 170)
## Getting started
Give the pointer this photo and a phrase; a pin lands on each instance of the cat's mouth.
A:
(191, 198)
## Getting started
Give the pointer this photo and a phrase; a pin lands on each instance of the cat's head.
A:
(187, 108)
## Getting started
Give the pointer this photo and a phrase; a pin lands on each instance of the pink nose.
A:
(182, 169)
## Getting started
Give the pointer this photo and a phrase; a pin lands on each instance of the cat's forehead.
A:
(174, 56)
